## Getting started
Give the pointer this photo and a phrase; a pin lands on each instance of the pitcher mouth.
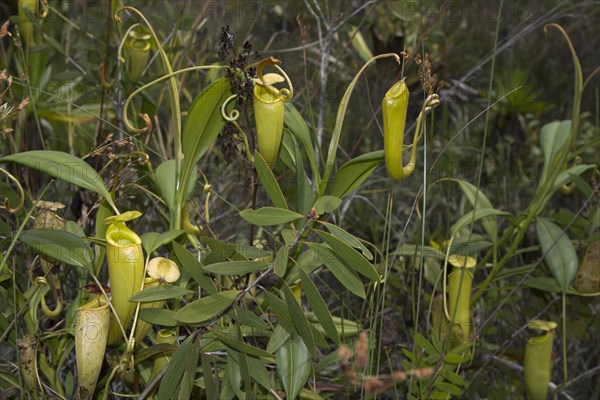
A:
(264, 96)
(121, 236)
(96, 304)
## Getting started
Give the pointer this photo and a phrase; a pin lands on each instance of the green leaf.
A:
(413, 250)
(477, 214)
(326, 204)
(159, 349)
(63, 166)
(548, 284)
(158, 316)
(259, 372)
(304, 191)
(353, 173)
(269, 216)
(293, 366)
(242, 347)
(318, 306)
(448, 388)
(348, 238)
(176, 368)
(300, 321)
(294, 121)
(202, 125)
(206, 308)
(269, 182)
(474, 195)
(278, 338)
(347, 277)
(350, 256)
(238, 268)
(153, 240)
(192, 266)
(453, 377)
(165, 180)
(281, 260)
(553, 137)
(239, 362)
(187, 380)
(567, 175)
(283, 313)
(60, 245)
(558, 251)
(454, 358)
(250, 252)
(219, 251)
(158, 293)
(210, 383)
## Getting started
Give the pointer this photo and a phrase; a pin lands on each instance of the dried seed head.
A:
(399, 376)
(345, 353)
(362, 349)
(373, 385)
(421, 373)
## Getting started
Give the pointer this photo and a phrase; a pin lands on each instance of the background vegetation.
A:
(504, 78)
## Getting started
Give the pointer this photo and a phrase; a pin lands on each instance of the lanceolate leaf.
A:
(159, 293)
(165, 180)
(269, 181)
(293, 366)
(153, 240)
(238, 268)
(558, 251)
(299, 318)
(60, 245)
(344, 274)
(63, 166)
(474, 195)
(326, 204)
(567, 175)
(176, 368)
(348, 238)
(205, 309)
(483, 214)
(269, 216)
(350, 256)
(554, 136)
(158, 316)
(241, 346)
(203, 124)
(281, 260)
(293, 120)
(283, 313)
(193, 267)
(355, 172)
(318, 306)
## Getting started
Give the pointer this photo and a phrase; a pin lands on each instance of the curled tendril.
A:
(106, 84)
(234, 114)
(284, 94)
(144, 157)
(147, 122)
(232, 117)
(7, 206)
(431, 102)
(41, 281)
